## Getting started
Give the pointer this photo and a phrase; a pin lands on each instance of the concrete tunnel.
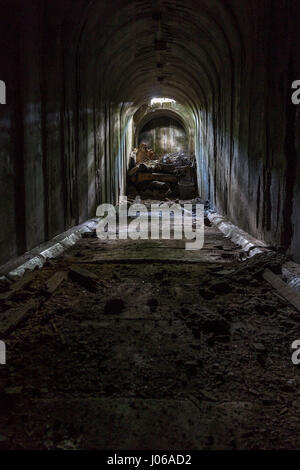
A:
(77, 72)
(79, 79)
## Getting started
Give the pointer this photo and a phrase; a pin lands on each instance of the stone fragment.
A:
(54, 282)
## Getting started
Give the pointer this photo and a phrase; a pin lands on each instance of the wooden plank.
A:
(54, 282)
(58, 332)
(14, 316)
(165, 177)
(284, 290)
(84, 277)
(17, 286)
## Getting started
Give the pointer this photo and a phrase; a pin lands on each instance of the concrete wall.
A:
(164, 135)
(248, 131)
(63, 149)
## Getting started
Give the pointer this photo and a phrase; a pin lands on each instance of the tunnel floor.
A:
(161, 348)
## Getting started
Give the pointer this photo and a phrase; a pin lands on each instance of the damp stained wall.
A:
(164, 135)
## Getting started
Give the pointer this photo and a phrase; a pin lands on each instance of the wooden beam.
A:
(283, 289)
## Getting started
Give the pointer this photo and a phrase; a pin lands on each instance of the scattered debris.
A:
(54, 282)
(176, 171)
(144, 153)
(219, 352)
(14, 316)
(17, 286)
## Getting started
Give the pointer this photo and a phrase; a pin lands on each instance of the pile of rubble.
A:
(170, 176)
(143, 153)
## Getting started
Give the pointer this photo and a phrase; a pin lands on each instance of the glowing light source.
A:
(161, 101)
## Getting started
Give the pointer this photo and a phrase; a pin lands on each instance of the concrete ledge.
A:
(36, 258)
(54, 251)
(291, 275)
(249, 244)
(253, 246)
(70, 240)
(31, 264)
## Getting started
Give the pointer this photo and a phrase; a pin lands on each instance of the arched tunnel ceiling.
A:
(162, 48)
(151, 114)
(143, 118)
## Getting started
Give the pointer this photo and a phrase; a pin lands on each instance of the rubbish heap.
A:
(169, 177)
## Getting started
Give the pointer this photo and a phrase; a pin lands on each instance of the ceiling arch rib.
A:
(122, 65)
(152, 114)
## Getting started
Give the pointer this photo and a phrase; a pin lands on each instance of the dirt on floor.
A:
(145, 345)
